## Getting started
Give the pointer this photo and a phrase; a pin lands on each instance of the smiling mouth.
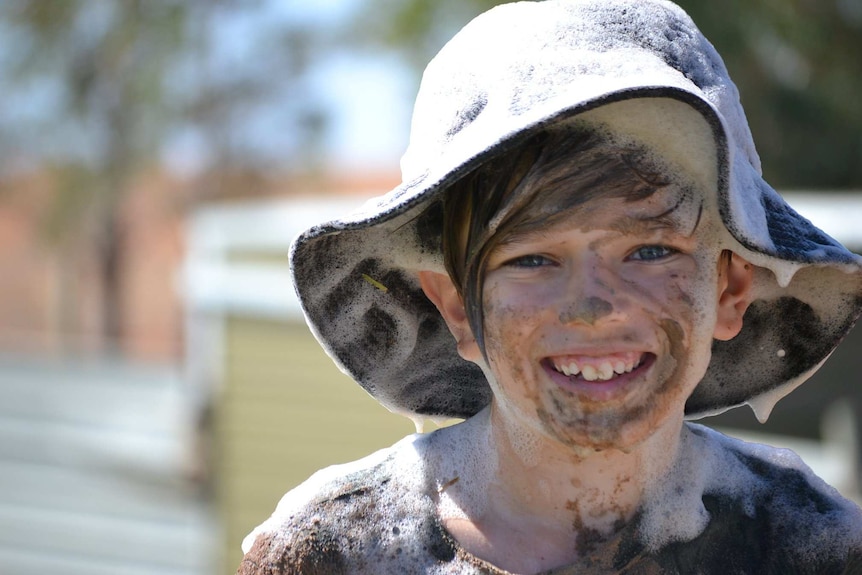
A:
(598, 368)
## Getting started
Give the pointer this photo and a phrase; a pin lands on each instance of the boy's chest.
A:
(354, 537)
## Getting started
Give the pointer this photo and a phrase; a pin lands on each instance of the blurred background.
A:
(159, 390)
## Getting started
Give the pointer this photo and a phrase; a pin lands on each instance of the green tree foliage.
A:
(416, 29)
(122, 78)
(798, 67)
(106, 64)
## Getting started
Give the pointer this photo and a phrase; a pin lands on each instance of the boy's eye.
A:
(651, 253)
(529, 261)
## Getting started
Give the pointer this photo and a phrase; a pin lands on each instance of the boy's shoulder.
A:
(767, 477)
(767, 508)
(364, 517)
(764, 512)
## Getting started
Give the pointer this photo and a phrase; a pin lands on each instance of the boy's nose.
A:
(586, 310)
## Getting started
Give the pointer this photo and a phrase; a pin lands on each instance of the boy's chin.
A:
(606, 432)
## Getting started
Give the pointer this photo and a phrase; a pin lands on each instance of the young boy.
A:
(582, 255)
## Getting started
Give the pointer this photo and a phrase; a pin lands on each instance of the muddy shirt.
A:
(371, 518)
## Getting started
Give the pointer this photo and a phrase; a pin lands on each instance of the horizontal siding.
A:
(285, 411)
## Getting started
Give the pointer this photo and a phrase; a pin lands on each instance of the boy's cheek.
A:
(513, 306)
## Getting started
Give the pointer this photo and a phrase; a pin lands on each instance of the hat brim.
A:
(643, 69)
(356, 279)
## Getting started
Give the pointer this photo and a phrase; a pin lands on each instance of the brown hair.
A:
(530, 187)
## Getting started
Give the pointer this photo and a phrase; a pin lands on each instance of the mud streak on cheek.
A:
(685, 298)
(502, 335)
(676, 342)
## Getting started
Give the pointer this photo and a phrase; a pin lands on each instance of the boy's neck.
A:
(549, 479)
(543, 495)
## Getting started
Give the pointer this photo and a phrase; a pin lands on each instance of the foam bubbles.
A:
(784, 272)
(761, 480)
(461, 451)
(389, 505)
(673, 509)
(525, 443)
(776, 483)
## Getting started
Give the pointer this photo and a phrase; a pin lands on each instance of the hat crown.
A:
(524, 62)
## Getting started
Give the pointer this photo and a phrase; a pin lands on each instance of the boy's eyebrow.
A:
(626, 224)
(670, 210)
(660, 221)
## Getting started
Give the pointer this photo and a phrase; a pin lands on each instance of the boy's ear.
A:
(735, 278)
(442, 293)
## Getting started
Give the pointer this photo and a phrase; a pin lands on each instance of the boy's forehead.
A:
(676, 212)
(670, 207)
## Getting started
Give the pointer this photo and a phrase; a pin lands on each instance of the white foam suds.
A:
(763, 404)
(525, 443)
(825, 533)
(418, 422)
(709, 463)
(462, 468)
(421, 422)
(320, 481)
(784, 273)
(673, 509)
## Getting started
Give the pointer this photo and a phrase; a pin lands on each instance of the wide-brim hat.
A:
(637, 69)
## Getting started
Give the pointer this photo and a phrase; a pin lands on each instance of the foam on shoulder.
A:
(458, 461)
(330, 479)
(762, 479)
(819, 522)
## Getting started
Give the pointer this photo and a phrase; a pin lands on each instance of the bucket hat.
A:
(636, 68)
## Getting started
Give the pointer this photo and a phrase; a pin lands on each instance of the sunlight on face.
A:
(599, 327)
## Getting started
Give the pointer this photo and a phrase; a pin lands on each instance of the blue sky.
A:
(368, 94)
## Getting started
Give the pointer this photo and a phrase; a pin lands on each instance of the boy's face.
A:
(598, 328)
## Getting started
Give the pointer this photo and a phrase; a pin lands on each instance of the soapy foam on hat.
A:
(399, 246)
(395, 325)
(785, 352)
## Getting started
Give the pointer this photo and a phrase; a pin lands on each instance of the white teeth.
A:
(605, 370)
